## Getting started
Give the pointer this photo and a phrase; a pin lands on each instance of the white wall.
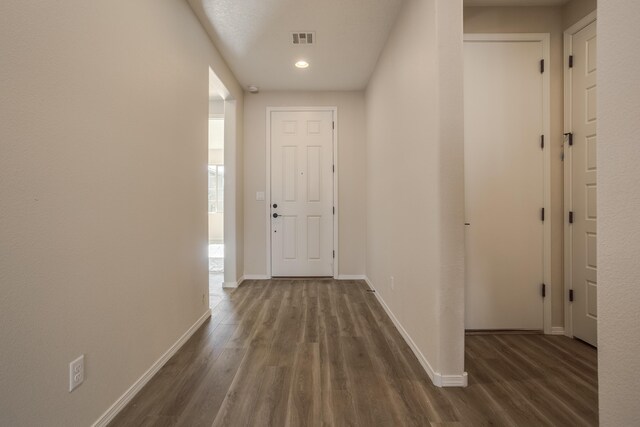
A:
(618, 207)
(351, 172)
(216, 105)
(103, 235)
(216, 227)
(415, 185)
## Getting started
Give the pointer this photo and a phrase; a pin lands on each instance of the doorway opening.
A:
(215, 201)
(222, 189)
(507, 182)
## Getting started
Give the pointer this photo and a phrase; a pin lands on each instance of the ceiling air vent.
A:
(304, 38)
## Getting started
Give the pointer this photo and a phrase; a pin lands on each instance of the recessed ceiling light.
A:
(302, 64)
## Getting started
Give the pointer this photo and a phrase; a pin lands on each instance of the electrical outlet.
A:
(393, 285)
(76, 373)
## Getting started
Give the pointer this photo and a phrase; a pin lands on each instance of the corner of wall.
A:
(451, 188)
(575, 10)
(416, 101)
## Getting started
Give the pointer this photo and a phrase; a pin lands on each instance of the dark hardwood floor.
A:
(321, 352)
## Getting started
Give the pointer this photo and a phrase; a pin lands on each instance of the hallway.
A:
(323, 352)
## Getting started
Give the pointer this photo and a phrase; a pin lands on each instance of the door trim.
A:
(334, 111)
(568, 126)
(545, 38)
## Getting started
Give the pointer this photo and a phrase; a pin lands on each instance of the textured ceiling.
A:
(254, 37)
(515, 2)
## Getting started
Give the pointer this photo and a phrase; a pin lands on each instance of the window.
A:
(216, 188)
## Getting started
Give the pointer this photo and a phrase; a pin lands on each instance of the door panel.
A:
(504, 185)
(289, 176)
(289, 237)
(302, 189)
(314, 225)
(583, 186)
(314, 182)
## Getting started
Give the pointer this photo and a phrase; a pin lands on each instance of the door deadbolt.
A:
(275, 205)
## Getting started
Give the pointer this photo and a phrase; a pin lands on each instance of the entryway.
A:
(302, 210)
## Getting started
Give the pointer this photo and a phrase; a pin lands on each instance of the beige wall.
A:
(104, 113)
(351, 174)
(575, 10)
(618, 206)
(415, 185)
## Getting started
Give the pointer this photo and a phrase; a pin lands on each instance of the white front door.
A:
(302, 193)
(581, 161)
(504, 184)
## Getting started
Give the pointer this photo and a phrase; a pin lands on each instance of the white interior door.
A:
(302, 193)
(581, 162)
(504, 184)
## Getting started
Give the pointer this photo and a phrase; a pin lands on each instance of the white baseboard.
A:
(557, 330)
(352, 277)
(437, 378)
(230, 285)
(256, 277)
(233, 285)
(122, 401)
(340, 277)
(454, 380)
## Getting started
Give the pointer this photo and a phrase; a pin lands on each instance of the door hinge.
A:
(570, 295)
(542, 214)
(542, 142)
(333, 168)
(570, 61)
(334, 210)
(334, 254)
(544, 290)
(333, 125)
(542, 66)
(569, 136)
(570, 217)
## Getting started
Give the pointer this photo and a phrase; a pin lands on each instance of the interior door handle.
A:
(275, 215)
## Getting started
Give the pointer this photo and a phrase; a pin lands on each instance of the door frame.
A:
(568, 127)
(334, 111)
(545, 39)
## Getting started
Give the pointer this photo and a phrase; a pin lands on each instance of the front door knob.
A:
(275, 215)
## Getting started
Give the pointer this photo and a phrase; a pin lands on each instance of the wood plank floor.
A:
(322, 352)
